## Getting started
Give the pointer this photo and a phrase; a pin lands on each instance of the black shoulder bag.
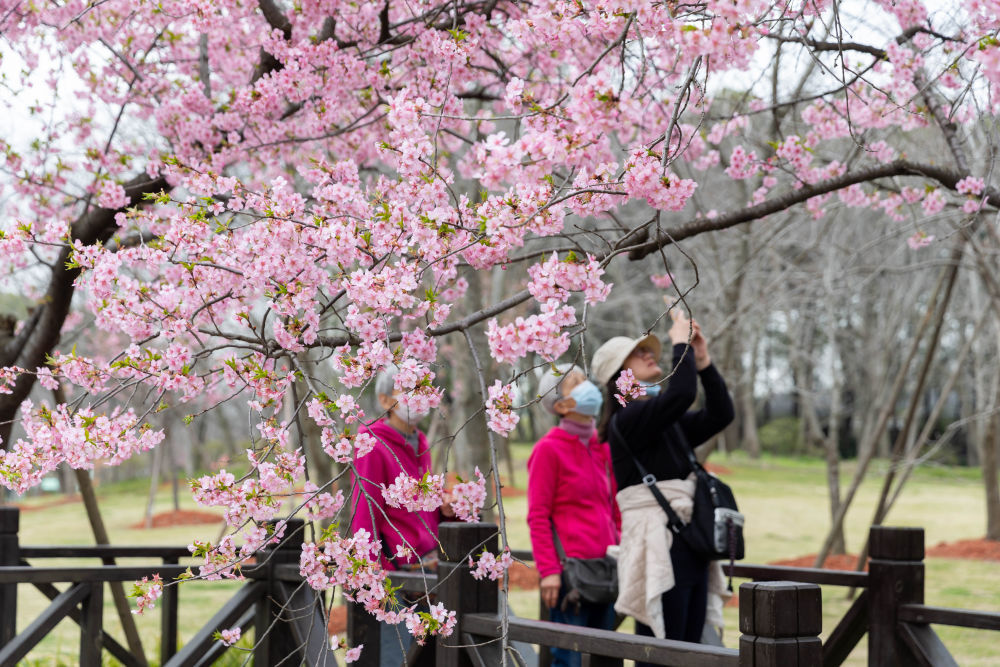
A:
(716, 528)
(592, 580)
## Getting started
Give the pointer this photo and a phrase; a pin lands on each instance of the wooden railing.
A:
(779, 617)
(286, 614)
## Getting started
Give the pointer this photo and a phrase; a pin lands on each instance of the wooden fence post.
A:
(91, 625)
(457, 590)
(168, 616)
(10, 554)
(274, 641)
(780, 622)
(363, 628)
(895, 577)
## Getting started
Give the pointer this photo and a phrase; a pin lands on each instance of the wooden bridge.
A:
(780, 615)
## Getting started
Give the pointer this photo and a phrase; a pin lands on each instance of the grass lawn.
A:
(784, 500)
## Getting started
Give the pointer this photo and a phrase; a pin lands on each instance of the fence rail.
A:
(779, 618)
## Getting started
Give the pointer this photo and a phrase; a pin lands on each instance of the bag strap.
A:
(673, 521)
(699, 469)
(560, 552)
(688, 449)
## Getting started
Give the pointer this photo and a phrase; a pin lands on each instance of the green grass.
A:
(787, 516)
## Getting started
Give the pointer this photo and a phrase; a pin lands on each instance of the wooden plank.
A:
(926, 647)
(603, 642)
(91, 625)
(848, 633)
(362, 628)
(305, 614)
(18, 647)
(803, 575)
(960, 618)
(120, 653)
(225, 618)
(457, 590)
(52, 575)
(482, 652)
(216, 649)
(104, 551)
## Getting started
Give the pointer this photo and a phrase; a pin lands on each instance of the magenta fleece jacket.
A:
(570, 484)
(394, 526)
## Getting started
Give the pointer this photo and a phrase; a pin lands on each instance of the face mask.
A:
(409, 414)
(652, 389)
(588, 398)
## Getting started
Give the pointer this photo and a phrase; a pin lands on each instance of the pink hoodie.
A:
(571, 485)
(392, 525)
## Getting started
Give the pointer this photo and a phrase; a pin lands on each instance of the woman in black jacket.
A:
(646, 428)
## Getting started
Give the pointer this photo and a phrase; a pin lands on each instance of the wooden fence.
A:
(780, 614)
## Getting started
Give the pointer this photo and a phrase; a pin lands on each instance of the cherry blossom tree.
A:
(225, 189)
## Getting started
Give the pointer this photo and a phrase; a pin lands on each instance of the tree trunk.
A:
(991, 450)
(154, 481)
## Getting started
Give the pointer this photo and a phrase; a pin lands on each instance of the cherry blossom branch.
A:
(947, 177)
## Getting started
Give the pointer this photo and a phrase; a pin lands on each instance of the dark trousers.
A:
(587, 615)
(684, 604)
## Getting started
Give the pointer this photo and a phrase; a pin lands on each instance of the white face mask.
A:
(409, 414)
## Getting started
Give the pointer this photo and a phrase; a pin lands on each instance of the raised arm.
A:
(718, 413)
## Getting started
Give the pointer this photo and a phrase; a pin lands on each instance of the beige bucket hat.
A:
(609, 357)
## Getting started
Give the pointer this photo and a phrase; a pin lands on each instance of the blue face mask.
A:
(588, 398)
(652, 389)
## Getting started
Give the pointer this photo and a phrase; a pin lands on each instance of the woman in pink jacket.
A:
(571, 493)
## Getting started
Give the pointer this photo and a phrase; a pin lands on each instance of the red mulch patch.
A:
(716, 469)
(523, 577)
(64, 500)
(979, 549)
(178, 518)
(833, 562)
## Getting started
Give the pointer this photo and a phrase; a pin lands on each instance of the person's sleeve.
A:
(658, 413)
(543, 478)
(718, 413)
(616, 514)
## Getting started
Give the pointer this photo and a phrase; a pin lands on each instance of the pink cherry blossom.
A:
(920, 240)
(628, 387)
(469, 498)
(230, 636)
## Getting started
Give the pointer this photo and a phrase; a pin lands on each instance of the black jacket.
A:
(647, 427)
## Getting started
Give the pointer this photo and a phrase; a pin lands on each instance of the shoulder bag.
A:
(594, 579)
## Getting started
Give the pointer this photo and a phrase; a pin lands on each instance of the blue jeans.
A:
(588, 615)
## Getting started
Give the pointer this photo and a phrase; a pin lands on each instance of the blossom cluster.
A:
(350, 654)
(78, 438)
(469, 497)
(500, 408)
(229, 636)
(488, 566)
(628, 387)
(146, 593)
(416, 495)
